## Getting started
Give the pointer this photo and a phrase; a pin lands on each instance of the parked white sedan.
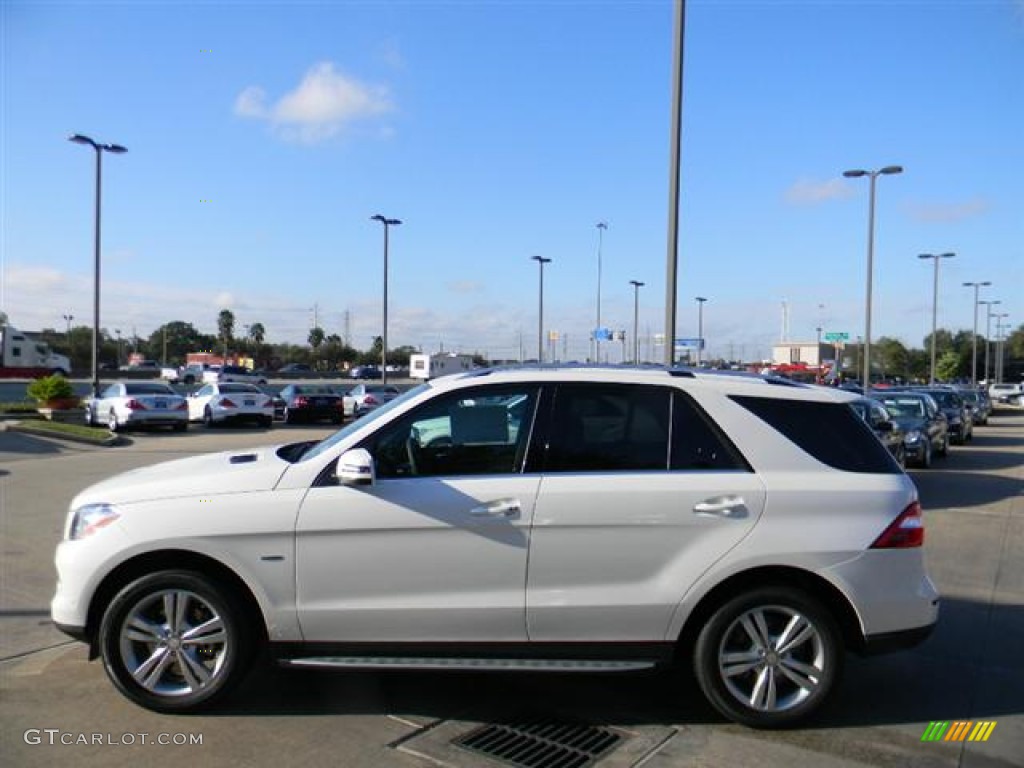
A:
(231, 401)
(363, 398)
(138, 403)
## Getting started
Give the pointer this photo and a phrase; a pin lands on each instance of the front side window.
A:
(477, 431)
(607, 427)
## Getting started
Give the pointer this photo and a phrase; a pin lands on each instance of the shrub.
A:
(51, 388)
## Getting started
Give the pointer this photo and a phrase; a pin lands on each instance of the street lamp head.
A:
(636, 283)
(80, 139)
(384, 220)
(854, 174)
(117, 149)
(540, 259)
(701, 299)
(602, 225)
(891, 169)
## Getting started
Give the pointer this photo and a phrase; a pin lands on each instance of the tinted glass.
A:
(904, 406)
(479, 431)
(830, 432)
(600, 427)
(232, 387)
(698, 443)
(148, 388)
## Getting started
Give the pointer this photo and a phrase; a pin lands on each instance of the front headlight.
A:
(86, 520)
(913, 436)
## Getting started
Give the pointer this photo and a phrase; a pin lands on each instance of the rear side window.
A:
(830, 432)
(607, 427)
(697, 443)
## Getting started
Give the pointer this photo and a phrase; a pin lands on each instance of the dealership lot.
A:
(971, 669)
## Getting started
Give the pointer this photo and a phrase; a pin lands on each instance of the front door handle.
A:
(508, 508)
(722, 506)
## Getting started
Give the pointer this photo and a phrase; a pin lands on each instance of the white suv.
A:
(565, 519)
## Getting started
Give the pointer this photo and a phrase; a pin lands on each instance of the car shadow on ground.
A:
(951, 489)
(968, 668)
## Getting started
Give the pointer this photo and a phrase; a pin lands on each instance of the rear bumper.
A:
(890, 642)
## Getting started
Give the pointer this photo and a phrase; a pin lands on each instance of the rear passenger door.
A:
(640, 494)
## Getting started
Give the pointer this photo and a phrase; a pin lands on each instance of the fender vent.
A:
(541, 744)
(243, 458)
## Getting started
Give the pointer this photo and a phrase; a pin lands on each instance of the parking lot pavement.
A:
(971, 669)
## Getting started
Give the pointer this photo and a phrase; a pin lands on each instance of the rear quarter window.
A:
(830, 432)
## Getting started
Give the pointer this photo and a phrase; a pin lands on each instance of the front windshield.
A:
(904, 407)
(376, 413)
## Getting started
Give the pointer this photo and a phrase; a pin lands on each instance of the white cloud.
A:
(809, 192)
(224, 300)
(325, 102)
(465, 286)
(947, 212)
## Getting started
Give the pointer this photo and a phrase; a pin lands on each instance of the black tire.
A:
(266, 422)
(901, 456)
(926, 460)
(208, 418)
(187, 681)
(734, 668)
(181, 427)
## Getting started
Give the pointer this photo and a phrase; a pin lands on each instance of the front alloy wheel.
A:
(172, 642)
(768, 658)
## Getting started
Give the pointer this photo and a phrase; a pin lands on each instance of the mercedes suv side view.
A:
(580, 519)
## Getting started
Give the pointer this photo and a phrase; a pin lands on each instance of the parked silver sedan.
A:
(363, 398)
(138, 403)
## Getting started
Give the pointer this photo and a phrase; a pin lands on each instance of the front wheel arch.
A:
(176, 560)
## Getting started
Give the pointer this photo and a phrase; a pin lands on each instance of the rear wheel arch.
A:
(827, 594)
(173, 560)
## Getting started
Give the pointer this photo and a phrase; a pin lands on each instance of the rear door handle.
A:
(722, 506)
(507, 508)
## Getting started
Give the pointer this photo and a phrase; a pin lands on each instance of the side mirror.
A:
(356, 467)
(885, 426)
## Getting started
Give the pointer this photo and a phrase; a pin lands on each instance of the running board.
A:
(501, 665)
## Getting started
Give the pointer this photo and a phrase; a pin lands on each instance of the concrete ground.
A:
(972, 668)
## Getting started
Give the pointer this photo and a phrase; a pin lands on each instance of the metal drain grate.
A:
(541, 744)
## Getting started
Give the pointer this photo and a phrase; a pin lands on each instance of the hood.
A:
(237, 471)
(908, 423)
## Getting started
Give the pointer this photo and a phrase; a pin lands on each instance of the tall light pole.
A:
(68, 319)
(873, 177)
(637, 285)
(387, 223)
(116, 149)
(700, 325)
(601, 227)
(988, 331)
(974, 338)
(936, 257)
(999, 345)
(541, 261)
(675, 150)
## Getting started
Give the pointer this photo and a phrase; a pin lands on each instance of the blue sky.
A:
(262, 136)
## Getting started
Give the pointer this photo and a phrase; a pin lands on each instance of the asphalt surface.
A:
(58, 709)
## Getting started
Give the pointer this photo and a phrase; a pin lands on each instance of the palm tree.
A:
(257, 333)
(226, 328)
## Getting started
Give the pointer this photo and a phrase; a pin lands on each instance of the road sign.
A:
(837, 336)
(603, 334)
(690, 343)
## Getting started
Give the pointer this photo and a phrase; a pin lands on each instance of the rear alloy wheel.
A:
(768, 658)
(112, 424)
(173, 641)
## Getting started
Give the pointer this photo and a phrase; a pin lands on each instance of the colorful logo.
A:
(958, 730)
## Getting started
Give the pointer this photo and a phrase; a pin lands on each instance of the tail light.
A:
(182, 406)
(134, 405)
(227, 403)
(301, 402)
(339, 404)
(369, 400)
(905, 532)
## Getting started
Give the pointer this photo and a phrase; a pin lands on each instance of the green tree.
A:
(226, 328)
(891, 357)
(948, 366)
(257, 333)
(316, 338)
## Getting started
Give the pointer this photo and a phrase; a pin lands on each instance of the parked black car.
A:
(312, 402)
(882, 424)
(978, 401)
(924, 425)
(961, 420)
